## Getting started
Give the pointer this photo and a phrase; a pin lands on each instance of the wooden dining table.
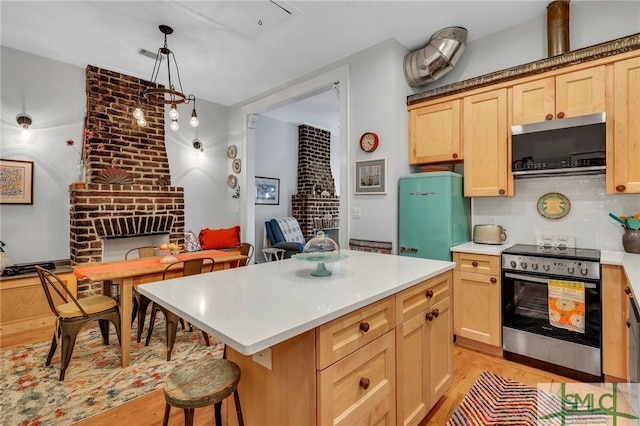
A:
(130, 273)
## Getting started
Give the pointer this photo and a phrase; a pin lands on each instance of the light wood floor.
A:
(468, 364)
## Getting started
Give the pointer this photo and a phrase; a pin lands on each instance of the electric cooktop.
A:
(558, 252)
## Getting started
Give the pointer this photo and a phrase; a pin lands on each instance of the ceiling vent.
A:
(437, 58)
(149, 54)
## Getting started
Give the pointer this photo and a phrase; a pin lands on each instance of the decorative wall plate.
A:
(236, 166)
(232, 151)
(232, 181)
(554, 205)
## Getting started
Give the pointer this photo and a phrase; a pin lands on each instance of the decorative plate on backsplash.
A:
(114, 175)
(554, 205)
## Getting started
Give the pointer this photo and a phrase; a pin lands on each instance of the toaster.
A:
(489, 234)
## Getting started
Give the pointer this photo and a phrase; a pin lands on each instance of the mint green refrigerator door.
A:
(433, 215)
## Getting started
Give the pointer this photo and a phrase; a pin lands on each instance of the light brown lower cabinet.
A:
(424, 352)
(24, 306)
(615, 314)
(387, 363)
(477, 307)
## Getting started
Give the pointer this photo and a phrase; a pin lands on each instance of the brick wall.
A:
(149, 205)
(314, 179)
(111, 99)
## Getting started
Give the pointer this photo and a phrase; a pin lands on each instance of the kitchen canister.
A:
(631, 241)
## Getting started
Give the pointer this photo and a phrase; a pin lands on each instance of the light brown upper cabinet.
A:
(486, 137)
(623, 152)
(434, 133)
(566, 95)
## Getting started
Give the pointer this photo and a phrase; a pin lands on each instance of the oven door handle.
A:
(540, 280)
(526, 278)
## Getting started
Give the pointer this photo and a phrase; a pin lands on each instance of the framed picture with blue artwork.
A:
(267, 190)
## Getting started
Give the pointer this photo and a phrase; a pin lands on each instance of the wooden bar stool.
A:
(193, 386)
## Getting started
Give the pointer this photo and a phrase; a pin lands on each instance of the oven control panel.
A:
(569, 268)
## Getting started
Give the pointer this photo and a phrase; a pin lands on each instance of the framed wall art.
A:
(267, 190)
(16, 182)
(371, 177)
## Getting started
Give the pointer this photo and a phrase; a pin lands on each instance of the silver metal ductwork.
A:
(437, 58)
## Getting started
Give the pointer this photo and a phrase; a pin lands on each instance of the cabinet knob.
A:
(502, 192)
(560, 115)
(436, 312)
(474, 264)
(620, 188)
(455, 155)
(364, 383)
(364, 327)
(429, 294)
(493, 280)
(429, 316)
(627, 291)
(548, 117)
(628, 323)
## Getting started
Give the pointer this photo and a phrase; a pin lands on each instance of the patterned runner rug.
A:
(30, 393)
(494, 400)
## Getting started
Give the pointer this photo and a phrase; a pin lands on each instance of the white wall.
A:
(276, 147)
(53, 93)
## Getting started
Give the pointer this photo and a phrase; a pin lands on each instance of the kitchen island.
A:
(320, 350)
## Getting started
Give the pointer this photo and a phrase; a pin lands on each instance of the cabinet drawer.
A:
(421, 296)
(359, 389)
(346, 334)
(478, 263)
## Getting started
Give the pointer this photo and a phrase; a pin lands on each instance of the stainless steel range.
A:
(551, 309)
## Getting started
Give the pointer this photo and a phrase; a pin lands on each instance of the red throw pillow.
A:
(219, 238)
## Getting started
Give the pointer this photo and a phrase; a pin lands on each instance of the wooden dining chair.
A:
(246, 249)
(140, 302)
(189, 267)
(73, 314)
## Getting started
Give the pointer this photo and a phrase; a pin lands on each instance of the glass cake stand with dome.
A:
(320, 250)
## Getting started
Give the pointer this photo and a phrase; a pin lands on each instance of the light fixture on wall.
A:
(24, 121)
(198, 146)
(169, 95)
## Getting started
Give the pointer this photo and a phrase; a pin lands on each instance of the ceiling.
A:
(230, 51)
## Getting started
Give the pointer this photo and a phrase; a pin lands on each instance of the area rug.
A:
(494, 400)
(31, 395)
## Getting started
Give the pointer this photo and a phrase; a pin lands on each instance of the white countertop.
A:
(490, 249)
(630, 263)
(257, 306)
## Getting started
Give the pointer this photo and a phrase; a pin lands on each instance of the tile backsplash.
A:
(588, 220)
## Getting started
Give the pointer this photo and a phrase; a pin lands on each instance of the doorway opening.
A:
(327, 91)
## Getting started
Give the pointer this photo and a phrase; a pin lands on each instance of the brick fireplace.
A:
(316, 192)
(146, 204)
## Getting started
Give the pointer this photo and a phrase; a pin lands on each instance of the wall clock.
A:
(236, 165)
(369, 142)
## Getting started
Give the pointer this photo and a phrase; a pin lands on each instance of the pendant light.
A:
(171, 94)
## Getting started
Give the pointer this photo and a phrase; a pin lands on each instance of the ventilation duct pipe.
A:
(437, 58)
(558, 27)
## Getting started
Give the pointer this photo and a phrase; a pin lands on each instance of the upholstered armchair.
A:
(284, 233)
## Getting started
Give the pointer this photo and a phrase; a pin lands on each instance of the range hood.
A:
(569, 146)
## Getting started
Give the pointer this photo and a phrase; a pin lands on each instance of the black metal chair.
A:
(73, 314)
(189, 267)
